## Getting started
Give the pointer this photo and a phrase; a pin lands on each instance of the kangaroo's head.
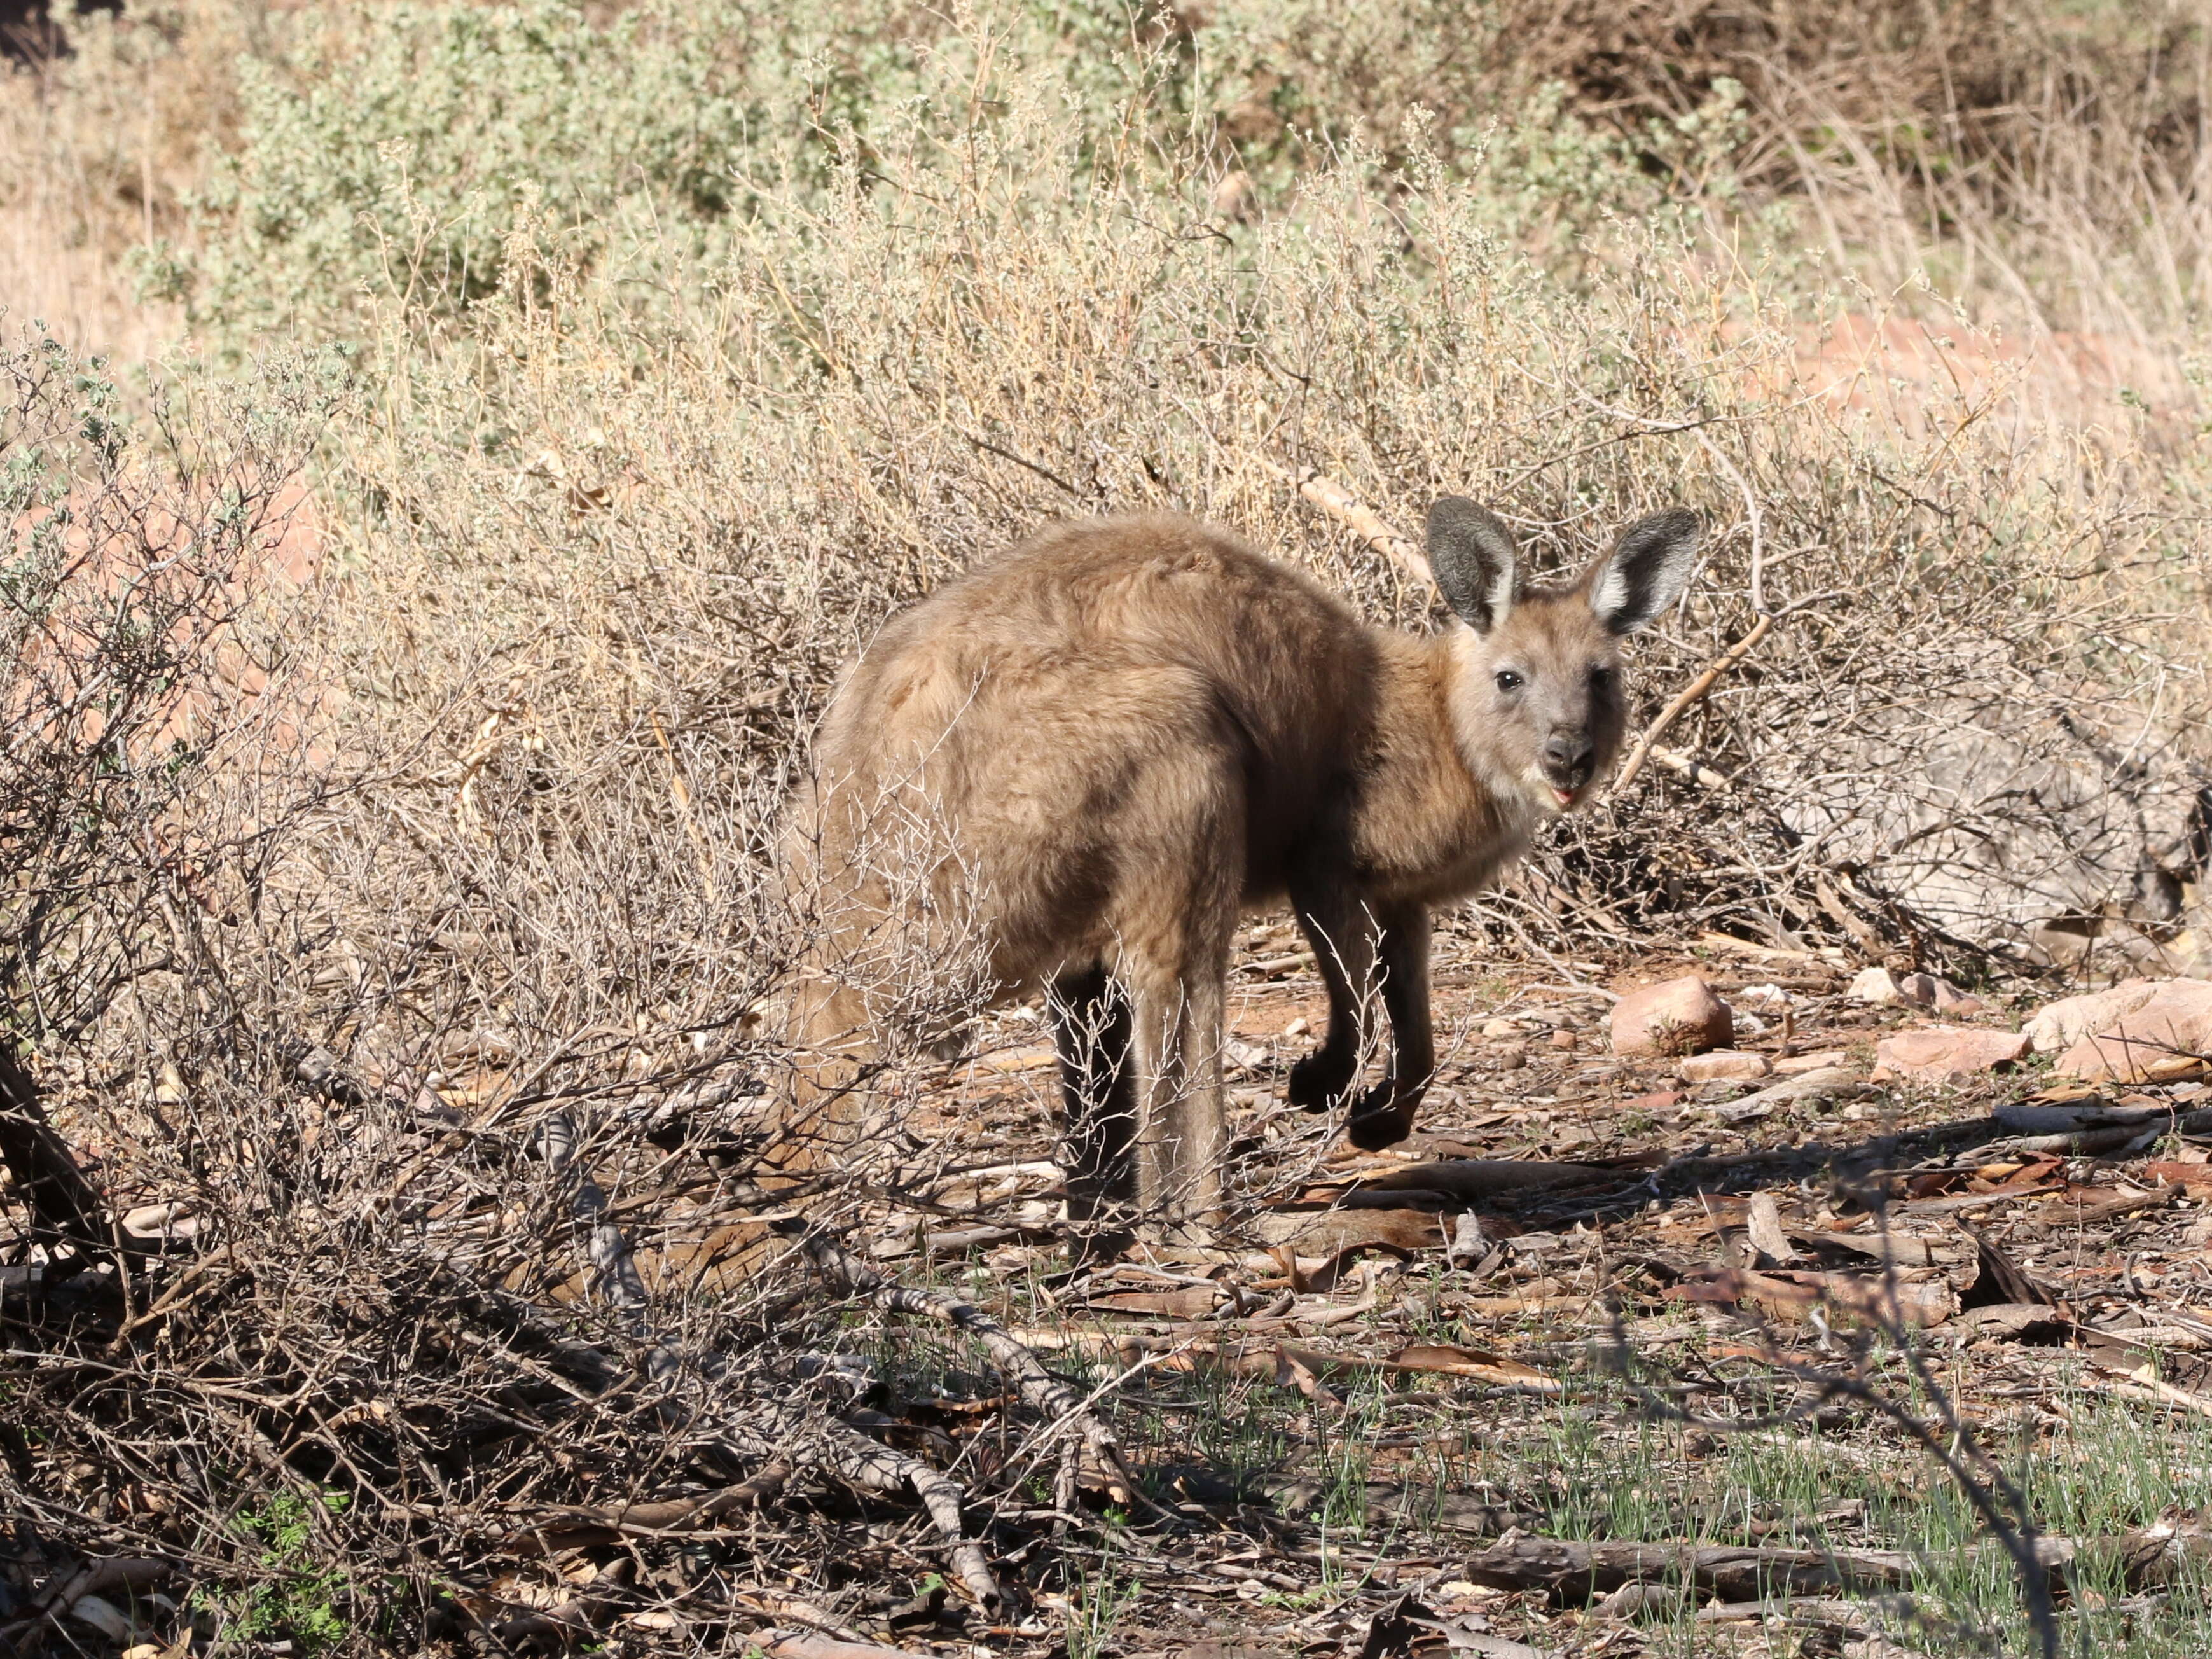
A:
(1535, 690)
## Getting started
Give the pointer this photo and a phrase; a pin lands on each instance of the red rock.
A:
(1678, 1017)
(2063, 1024)
(2145, 1031)
(1937, 1052)
(1732, 1063)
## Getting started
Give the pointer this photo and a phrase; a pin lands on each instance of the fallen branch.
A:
(2067, 1120)
(775, 1431)
(1341, 504)
(1689, 697)
(1571, 1574)
(674, 1516)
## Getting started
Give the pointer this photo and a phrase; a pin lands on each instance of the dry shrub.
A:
(978, 324)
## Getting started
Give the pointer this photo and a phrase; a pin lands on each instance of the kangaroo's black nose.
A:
(1566, 759)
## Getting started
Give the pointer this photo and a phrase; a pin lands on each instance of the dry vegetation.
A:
(513, 418)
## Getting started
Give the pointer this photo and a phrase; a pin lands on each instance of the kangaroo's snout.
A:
(1568, 759)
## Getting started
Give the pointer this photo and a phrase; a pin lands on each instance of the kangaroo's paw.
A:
(1320, 1081)
(1381, 1119)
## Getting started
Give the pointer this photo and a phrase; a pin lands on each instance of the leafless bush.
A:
(1879, 1363)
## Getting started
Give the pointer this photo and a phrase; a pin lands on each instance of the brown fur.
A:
(1086, 758)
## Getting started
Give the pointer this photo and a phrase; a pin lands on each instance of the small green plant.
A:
(292, 1597)
(1101, 1598)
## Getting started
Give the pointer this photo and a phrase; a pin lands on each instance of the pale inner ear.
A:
(1608, 594)
(1472, 557)
(1649, 566)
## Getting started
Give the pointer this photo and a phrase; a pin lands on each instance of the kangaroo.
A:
(1099, 750)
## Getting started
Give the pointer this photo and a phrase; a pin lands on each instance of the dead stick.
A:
(1341, 504)
(679, 1513)
(843, 1449)
(1690, 695)
(861, 1461)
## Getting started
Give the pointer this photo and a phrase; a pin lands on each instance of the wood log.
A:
(1572, 1574)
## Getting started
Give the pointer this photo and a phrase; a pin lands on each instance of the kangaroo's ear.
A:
(1646, 570)
(1471, 553)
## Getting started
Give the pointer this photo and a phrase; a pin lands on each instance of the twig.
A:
(1690, 695)
(791, 1429)
(1341, 504)
(1995, 1498)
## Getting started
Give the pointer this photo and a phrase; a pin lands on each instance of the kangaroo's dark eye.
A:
(1508, 680)
(1600, 677)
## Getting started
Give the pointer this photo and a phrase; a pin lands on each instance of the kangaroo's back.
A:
(1036, 709)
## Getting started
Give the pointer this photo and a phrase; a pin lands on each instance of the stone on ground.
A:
(1821, 1060)
(1888, 990)
(2144, 1032)
(1723, 1063)
(1678, 1017)
(2067, 1020)
(1935, 1053)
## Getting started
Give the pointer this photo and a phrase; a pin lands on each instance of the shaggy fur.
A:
(1082, 762)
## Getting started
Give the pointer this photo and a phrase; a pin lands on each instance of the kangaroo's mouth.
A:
(1564, 797)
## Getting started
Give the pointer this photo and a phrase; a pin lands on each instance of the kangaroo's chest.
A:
(1426, 829)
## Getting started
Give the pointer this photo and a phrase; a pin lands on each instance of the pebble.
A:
(1723, 1063)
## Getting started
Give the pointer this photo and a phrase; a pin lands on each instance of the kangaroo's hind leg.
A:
(1092, 1026)
(1179, 999)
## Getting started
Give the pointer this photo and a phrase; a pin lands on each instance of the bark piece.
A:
(1573, 1574)
(1478, 1362)
(1844, 1298)
(1999, 1280)
(1333, 1233)
(1763, 1225)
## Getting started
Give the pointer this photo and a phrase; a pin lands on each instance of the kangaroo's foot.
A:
(1322, 1081)
(1381, 1119)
